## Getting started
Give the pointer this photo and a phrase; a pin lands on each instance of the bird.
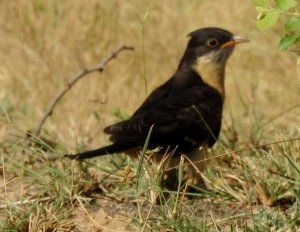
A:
(185, 112)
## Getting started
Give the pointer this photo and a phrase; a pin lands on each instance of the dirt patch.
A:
(105, 217)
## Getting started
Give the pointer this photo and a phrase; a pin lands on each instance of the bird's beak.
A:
(236, 39)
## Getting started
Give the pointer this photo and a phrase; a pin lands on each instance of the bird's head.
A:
(207, 53)
(210, 44)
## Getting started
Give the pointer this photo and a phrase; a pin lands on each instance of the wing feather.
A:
(174, 114)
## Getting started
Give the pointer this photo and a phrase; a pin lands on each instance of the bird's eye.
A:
(212, 43)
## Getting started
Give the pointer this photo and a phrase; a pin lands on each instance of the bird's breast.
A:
(212, 73)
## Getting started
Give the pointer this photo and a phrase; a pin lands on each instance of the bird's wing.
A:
(155, 97)
(184, 117)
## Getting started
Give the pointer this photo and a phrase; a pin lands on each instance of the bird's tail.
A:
(110, 149)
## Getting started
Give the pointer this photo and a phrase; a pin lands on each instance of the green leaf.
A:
(268, 20)
(260, 3)
(288, 40)
(293, 24)
(285, 5)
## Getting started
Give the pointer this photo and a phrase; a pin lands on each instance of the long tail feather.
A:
(110, 149)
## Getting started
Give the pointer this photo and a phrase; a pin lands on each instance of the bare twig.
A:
(23, 202)
(85, 71)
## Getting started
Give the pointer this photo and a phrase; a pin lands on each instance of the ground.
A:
(253, 171)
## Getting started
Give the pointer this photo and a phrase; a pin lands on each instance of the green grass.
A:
(253, 173)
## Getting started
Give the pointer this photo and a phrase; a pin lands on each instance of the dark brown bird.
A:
(186, 110)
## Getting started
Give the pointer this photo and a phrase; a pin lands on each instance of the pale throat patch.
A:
(211, 72)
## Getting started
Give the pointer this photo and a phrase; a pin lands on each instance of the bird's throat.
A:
(212, 73)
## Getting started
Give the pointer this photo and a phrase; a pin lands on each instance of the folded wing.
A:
(183, 117)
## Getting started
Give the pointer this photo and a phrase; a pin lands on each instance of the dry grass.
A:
(44, 43)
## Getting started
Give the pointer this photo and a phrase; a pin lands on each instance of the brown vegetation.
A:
(43, 44)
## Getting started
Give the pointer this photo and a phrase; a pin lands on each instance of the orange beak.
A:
(236, 39)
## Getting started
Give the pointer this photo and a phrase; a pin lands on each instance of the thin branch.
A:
(23, 202)
(85, 71)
